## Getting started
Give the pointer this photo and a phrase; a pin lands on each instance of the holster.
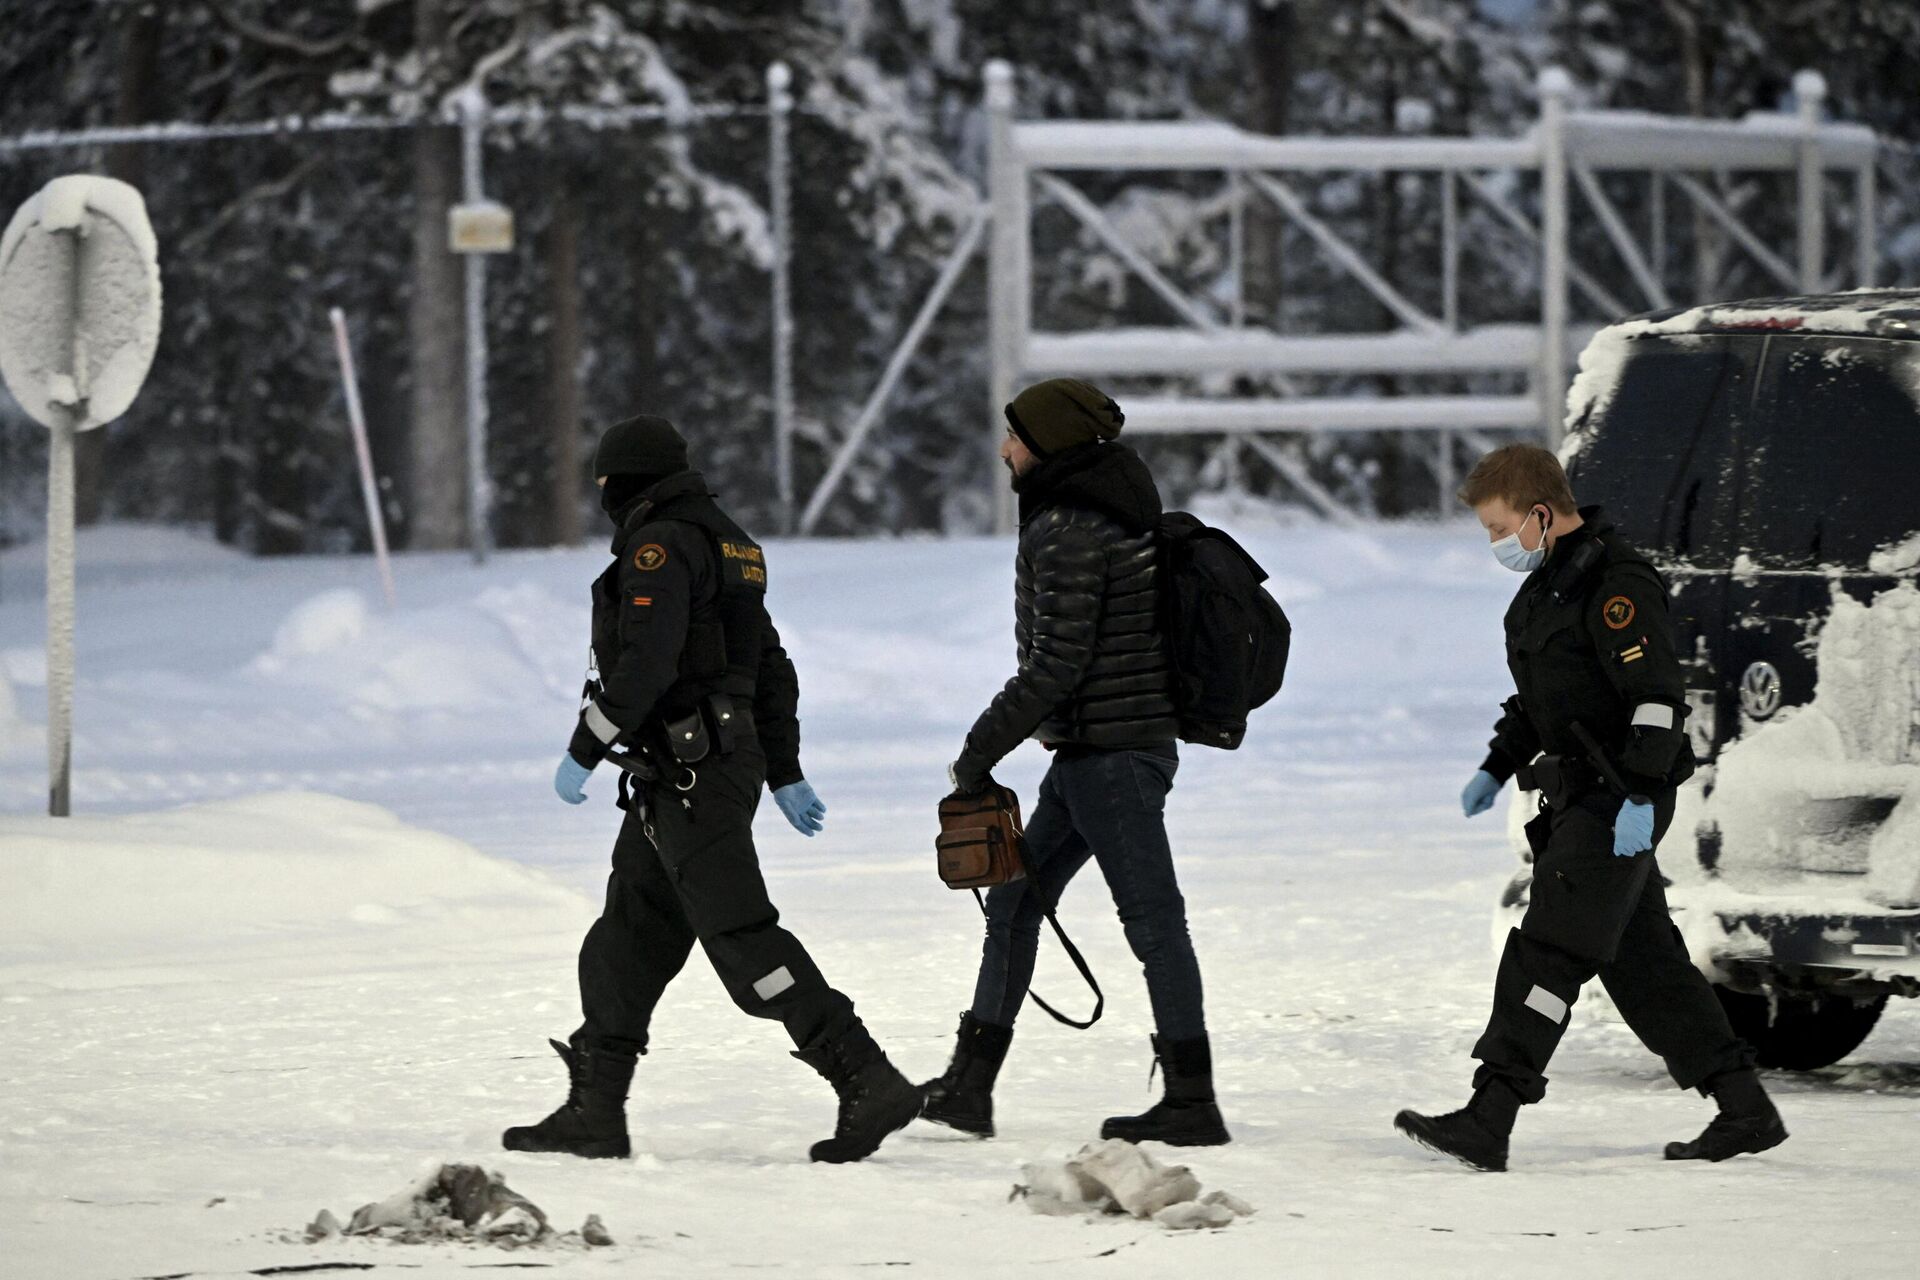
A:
(981, 842)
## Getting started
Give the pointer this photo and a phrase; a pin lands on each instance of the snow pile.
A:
(1788, 795)
(242, 872)
(439, 659)
(1869, 679)
(460, 1204)
(17, 734)
(1117, 1177)
(1896, 557)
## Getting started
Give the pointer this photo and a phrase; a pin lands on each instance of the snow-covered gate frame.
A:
(1567, 148)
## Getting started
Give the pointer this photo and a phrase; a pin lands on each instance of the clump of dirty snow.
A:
(458, 1204)
(1116, 1177)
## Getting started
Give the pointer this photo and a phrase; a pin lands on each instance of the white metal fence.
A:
(1525, 185)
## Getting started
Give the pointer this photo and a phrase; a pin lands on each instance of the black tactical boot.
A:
(963, 1098)
(1187, 1115)
(1476, 1135)
(1747, 1121)
(592, 1122)
(875, 1099)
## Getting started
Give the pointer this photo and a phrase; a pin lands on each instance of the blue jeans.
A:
(1109, 806)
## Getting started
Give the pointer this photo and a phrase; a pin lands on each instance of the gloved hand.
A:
(1480, 793)
(569, 778)
(1633, 829)
(804, 809)
(967, 777)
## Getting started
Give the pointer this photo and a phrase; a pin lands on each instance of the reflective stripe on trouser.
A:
(700, 882)
(1663, 998)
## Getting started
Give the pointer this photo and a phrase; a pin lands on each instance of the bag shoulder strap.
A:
(1079, 962)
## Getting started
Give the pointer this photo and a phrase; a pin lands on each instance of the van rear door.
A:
(1660, 458)
(1831, 476)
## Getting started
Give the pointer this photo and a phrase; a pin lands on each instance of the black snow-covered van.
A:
(1767, 455)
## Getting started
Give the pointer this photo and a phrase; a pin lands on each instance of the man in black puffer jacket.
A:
(1095, 686)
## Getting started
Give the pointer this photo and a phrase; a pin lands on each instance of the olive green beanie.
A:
(1053, 416)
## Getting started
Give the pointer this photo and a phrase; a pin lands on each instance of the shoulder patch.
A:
(650, 557)
(746, 559)
(1617, 612)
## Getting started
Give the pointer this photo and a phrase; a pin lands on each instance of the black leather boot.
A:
(875, 1099)
(1476, 1135)
(963, 1098)
(592, 1122)
(1747, 1122)
(1186, 1115)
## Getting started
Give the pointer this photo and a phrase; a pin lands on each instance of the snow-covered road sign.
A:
(79, 323)
(79, 301)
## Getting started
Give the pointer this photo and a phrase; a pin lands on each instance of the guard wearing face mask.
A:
(698, 697)
(1598, 729)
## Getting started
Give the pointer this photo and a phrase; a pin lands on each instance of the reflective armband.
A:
(597, 722)
(1653, 715)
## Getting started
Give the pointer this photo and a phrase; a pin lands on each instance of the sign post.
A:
(79, 323)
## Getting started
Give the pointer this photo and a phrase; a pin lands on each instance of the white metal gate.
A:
(1565, 147)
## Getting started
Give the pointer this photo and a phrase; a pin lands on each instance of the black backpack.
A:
(1227, 637)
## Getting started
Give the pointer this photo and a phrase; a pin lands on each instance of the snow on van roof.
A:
(1879, 313)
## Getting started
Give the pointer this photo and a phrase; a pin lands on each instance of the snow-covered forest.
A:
(639, 277)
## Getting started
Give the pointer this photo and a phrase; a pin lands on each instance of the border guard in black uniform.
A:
(1598, 728)
(694, 682)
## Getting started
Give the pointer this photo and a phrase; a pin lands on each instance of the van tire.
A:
(1803, 1032)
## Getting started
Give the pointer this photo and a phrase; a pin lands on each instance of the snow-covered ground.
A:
(318, 916)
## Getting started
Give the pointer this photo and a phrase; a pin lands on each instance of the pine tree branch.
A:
(284, 41)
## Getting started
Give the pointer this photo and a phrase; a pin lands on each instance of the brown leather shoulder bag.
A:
(983, 844)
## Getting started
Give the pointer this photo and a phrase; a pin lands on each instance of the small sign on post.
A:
(79, 323)
(480, 226)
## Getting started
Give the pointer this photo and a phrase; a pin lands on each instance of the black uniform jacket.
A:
(1589, 642)
(659, 601)
(1093, 663)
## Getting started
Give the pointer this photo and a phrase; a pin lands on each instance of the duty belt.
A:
(1560, 780)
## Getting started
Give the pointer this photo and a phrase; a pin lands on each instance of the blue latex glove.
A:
(805, 810)
(1480, 793)
(569, 778)
(1633, 829)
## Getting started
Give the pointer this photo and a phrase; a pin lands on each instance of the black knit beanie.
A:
(640, 446)
(1055, 415)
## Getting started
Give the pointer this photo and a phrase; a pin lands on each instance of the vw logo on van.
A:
(1760, 690)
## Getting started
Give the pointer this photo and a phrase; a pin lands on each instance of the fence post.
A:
(1556, 87)
(1006, 269)
(1810, 93)
(473, 123)
(780, 188)
(1866, 218)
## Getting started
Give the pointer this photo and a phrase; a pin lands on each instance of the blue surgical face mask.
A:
(1510, 553)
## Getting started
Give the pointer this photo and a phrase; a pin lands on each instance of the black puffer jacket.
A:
(1093, 664)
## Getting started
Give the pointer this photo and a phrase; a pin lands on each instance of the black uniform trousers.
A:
(685, 870)
(1593, 914)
